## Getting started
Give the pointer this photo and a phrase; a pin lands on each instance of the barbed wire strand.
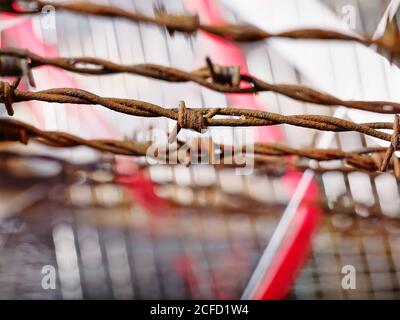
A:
(197, 119)
(15, 130)
(226, 79)
(394, 144)
(190, 24)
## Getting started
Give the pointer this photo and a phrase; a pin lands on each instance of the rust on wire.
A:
(394, 144)
(226, 79)
(190, 118)
(7, 94)
(13, 66)
(189, 24)
(264, 153)
(182, 23)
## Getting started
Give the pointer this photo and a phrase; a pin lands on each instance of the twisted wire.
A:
(364, 159)
(226, 79)
(189, 24)
(237, 116)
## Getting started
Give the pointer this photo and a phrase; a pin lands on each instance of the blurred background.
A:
(114, 228)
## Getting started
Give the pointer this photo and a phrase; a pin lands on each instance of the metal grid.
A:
(120, 252)
(115, 261)
(372, 247)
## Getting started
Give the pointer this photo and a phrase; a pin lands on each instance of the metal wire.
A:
(194, 118)
(189, 24)
(226, 79)
(369, 159)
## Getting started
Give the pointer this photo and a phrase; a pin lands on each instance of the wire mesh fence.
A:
(197, 231)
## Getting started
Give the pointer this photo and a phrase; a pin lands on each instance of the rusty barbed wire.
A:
(189, 24)
(197, 119)
(226, 79)
(394, 143)
(367, 159)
